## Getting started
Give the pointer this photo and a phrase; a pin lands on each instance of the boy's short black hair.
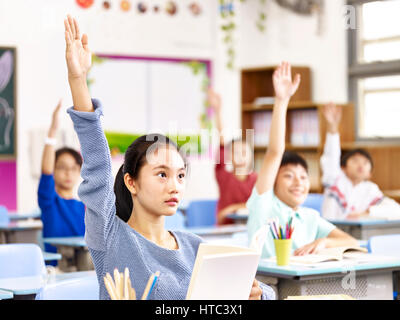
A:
(290, 157)
(347, 155)
(75, 154)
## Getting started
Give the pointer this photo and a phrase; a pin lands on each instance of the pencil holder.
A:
(283, 248)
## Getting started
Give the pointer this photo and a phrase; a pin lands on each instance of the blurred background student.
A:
(62, 215)
(234, 185)
(349, 193)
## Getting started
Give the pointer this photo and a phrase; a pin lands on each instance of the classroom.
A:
(199, 150)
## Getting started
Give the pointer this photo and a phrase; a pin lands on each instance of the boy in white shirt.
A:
(348, 192)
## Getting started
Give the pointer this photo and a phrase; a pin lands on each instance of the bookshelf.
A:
(306, 127)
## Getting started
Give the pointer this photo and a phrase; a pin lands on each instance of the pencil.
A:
(126, 284)
(156, 275)
(148, 285)
(118, 286)
(109, 287)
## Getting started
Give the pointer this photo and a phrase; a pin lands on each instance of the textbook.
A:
(223, 272)
(226, 272)
(328, 254)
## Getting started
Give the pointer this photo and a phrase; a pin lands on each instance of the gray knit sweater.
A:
(113, 243)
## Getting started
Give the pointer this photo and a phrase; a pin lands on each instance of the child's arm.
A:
(96, 190)
(214, 100)
(49, 155)
(284, 89)
(337, 238)
(330, 160)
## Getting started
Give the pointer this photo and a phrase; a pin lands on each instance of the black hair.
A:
(135, 159)
(290, 157)
(346, 156)
(75, 154)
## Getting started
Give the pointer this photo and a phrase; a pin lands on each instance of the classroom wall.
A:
(36, 29)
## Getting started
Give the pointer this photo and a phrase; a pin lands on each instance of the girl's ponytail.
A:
(123, 198)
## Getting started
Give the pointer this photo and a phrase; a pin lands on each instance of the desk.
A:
(238, 219)
(75, 254)
(5, 295)
(25, 231)
(366, 228)
(23, 216)
(364, 281)
(50, 256)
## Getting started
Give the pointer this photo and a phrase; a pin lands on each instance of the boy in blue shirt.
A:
(283, 185)
(62, 215)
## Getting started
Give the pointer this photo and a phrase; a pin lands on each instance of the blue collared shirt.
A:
(307, 222)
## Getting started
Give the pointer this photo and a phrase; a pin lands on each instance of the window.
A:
(374, 70)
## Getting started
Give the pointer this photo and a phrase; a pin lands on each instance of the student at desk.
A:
(62, 215)
(125, 222)
(283, 185)
(234, 186)
(348, 191)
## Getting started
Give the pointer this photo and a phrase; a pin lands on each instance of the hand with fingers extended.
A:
(333, 115)
(284, 87)
(78, 55)
(55, 120)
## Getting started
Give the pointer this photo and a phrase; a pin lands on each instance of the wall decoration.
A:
(7, 102)
(156, 8)
(106, 5)
(195, 8)
(85, 3)
(125, 5)
(142, 7)
(171, 8)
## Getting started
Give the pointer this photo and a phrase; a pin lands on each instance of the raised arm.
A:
(214, 100)
(285, 88)
(96, 190)
(330, 160)
(49, 155)
(79, 60)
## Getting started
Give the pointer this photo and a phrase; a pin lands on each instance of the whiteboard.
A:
(146, 96)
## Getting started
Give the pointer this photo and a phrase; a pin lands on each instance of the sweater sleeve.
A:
(330, 160)
(46, 191)
(96, 190)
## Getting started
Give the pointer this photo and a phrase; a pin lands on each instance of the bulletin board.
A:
(7, 102)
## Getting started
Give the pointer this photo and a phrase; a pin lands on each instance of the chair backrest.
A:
(4, 218)
(385, 245)
(314, 201)
(21, 260)
(85, 288)
(175, 222)
(201, 213)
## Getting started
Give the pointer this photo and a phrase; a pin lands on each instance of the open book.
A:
(225, 272)
(328, 254)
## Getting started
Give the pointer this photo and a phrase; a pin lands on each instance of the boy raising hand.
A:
(283, 185)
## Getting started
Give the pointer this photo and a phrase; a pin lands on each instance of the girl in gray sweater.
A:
(125, 223)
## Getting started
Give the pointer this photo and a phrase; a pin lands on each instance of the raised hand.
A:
(333, 115)
(78, 55)
(214, 100)
(55, 120)
(284, 87)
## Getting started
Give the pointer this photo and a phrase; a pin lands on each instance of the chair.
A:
(201, 213)
(4, 218)
(175, 222)
(386, 245)
(21, 260)
(85, 288)
(314, 201)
